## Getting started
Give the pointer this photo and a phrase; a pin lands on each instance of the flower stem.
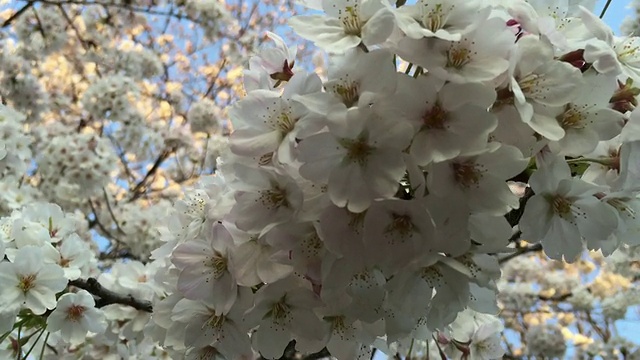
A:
(602, 161)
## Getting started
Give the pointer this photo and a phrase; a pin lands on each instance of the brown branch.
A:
(100, 225)
(515, 237)
(139, 189)
(324, 353)
(561, 297)
(121, 154)
(113, 216)
(85, 44)
(129, 7)
(108, 297)
(521, 251)
(214, 79)
(40, 27)
(602, 333)
(514, 216)
(16, 14)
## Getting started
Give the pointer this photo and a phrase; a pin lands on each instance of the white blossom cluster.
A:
(14, 143)
(615, 348)
(546, 340)
(203, 116)
(19, 85)
(140, 64)
(14, 194)
(110, 97)
(471, 334)
(43, 30)
(138, 225)
(625, 261)
(75, 166)
(367, 208)
(137, 137)
(41, 253)
(210, 14)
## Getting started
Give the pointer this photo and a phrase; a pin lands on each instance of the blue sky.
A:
(615, 14)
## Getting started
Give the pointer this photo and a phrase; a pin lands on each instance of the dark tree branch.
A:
(514, 216)
(324, 353)
(214, 79)
(139, 189)
(94, 222)
(16, 14)
(126, 7)
(561, 297)
(515, 237)
(108, 297)
(521, 251)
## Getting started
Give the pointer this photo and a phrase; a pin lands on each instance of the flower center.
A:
(400, 224)
(361, 279)
(457, 58)
(435, 118)
(75, 312)
(275, 198)
(196, 206)
(432, 276)
(435, 18)
(311, 245)
(285, 123)
(280, 310)
(358, 150)
(348, 93)
(628, 50)
(571, 118)
(219, 265)
(216, 321)
(337, 323)
(351, 22)
(561, 206)
(285, 74)
(528, 83)
(27, 282)
(466, 173)
(64, 262)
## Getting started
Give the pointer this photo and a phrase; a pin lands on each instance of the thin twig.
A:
(138, 190)
(215, 79)
(605, 8)
(97, 222)
(113, 216)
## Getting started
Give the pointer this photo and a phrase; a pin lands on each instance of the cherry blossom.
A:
(29, 281)
(390, 187)
(347, 24)
(75, 315)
